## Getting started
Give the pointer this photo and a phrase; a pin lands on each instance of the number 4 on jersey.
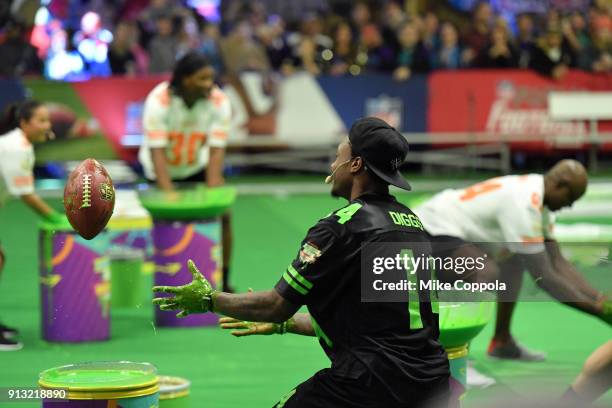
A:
(347, 213)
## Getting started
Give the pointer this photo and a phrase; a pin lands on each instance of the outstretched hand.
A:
(240, 328)
(195, 297)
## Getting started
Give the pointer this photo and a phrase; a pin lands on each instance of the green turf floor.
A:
(256, 371)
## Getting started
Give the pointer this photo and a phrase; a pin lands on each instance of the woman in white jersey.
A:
(22, 125)
(186, 123)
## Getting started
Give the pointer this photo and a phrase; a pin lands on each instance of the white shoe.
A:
(9, 344)
(476, 379)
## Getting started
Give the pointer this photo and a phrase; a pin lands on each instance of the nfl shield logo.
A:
(386, 108)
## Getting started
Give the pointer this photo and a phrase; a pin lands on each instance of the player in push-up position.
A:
(383, 354)
(509, 219)
(186, 123)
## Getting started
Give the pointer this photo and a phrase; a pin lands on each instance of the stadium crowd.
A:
(330, 37)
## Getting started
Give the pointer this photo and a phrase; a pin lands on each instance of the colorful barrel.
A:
(173, 392)
(102, 385)
(460, 322)
(175, 243)
(126, 266)
(74, 286)
(186, 225)
(457, 358)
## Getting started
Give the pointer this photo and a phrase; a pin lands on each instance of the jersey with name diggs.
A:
(362, 336)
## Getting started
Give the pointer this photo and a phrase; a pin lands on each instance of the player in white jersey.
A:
(186, 123)
(509, 219)
(22, 125)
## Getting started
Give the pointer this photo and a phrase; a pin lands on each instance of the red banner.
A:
(512, 103)
(109, 99)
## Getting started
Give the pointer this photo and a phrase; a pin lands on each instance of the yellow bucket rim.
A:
(173, 395)
(177, 387)
(457, 352)
(54, 386)
(112, 394)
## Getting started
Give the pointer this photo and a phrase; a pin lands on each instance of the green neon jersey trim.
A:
(294, 284)
(320, 333)
(296, 275)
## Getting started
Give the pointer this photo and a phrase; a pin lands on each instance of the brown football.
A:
(89, 198)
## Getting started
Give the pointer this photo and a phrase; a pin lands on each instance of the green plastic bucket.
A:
(460, 322)
(126, 266)
(173, 392)
(102, 385)
(189, 204)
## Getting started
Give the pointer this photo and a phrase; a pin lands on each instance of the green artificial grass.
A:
(256, 371)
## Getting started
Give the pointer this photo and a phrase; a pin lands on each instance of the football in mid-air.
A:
(89, 198)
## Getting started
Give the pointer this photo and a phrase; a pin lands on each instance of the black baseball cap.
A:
(382, 148)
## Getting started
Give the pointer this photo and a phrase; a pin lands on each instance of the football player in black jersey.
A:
(383, 354)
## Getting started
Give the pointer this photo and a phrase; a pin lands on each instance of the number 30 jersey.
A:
(505, 210)
(186, 133)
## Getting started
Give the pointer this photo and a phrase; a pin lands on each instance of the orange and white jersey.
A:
(16, 164)
(186, 133)
(504, 210)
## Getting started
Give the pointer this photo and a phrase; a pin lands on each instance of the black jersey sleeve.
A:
(314, 262)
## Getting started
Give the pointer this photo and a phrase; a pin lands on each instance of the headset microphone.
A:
(330, 178)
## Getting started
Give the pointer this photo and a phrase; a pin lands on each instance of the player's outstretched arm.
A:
(214, 172)
(566, 269)
(40, 207)
(541, 270)
(199, 297)
(300, 323)
(160, 166)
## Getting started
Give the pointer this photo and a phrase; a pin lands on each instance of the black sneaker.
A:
(9, 332)
(9, 344)
(511, 350)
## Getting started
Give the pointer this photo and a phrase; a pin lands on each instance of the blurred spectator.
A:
(163, 47)
(550, 58)
(597, 56)
(570, 39)
(273, 37)
(477, 37)
(241, 52)
(159, 9)
(374, 55)
(18, 56)
(430, 27)
(210, 38)
(393, 18)
(63, 62)
(499, 53)
(449, 54)
(412, 57)
(552, 18)
(120, 56)
(188, 35)
(579, 26)
(92, 41)
(343, 57)
(308, 45)
(525, 39)
(360, 17)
